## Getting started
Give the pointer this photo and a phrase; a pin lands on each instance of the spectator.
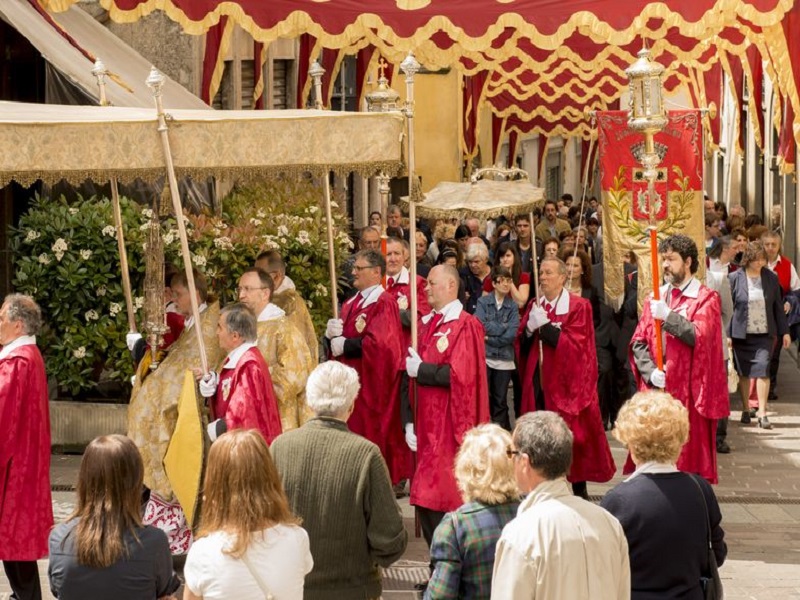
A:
(424, 262)
(103, 550)
(26, 509)
(476, 275)
(523, 229)
(502, 234)
(506, 256)
(246, 554)
(375, 220)
(665, 513)
(719, 258)
(463, 545)
(499, 315)
(551, 249)
(712, 229)
(535, 557)
(551, 226)
(338, 483)
(722, 214)
(474, 225)
(758, 325)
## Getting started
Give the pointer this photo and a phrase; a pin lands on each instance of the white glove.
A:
(131, 338)
(659, 309)
(411, 437)
(214, 430)
(536, 318)
(334, 329)
(337, 345)
(658, 379)
(413, 361)
(208, 384)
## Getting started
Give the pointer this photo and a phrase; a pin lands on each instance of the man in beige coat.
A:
(282, 346)
(559, 545)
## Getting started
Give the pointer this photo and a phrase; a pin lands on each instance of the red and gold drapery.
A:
(545, 62)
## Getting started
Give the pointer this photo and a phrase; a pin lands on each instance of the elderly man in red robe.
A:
(694, 370)
(26, 510)
(369, 338)
(243, 396)
(560, 326)
(452, 396)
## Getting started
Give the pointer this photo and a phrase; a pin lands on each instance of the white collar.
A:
(772, 265)
(286, 285)
(401, 277)
(370, 295)
(270, 312)
(235, 355)
(190, 319)
(449, 312)
(23, 340)
(562, 302)
(690, 290)
(652, 466)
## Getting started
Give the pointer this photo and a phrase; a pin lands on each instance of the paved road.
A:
(759, 493)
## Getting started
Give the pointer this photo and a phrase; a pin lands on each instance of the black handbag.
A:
(710, 582)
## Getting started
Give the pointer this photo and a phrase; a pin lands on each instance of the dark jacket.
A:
(606, 330)
(776, 318)
(500, 325)
(473, 288)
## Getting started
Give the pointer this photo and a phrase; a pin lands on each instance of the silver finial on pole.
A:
(155, 81)
(99, 71)
(316, 72)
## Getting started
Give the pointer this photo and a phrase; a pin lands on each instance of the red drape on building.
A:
(471, 93)
(213, 61)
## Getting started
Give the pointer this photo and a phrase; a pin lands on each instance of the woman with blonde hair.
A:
(249, 545)
(668, 516)
(103, 550)
(462, 549)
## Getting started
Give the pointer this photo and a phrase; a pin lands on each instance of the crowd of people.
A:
(494, 421)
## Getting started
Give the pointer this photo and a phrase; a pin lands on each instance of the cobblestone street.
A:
(759, 493)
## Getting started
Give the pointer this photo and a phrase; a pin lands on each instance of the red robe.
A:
(245, 398)
(26, 509)
(376, 414)
(569, 382)
(400, 290)
(695, 375)
(445, 414)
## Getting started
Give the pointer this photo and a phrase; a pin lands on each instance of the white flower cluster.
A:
(256, 222)
(44, 259)
(312, 210)
(261, 214)
(170, 236)
(303, 237)
(73, 211)
(223, 243)
(283, 231)
(32, 235)
(110, 231)
(91, 315)
(271, 242)
(138, 302)
(79, 352)
(101, 291)
(147, 213)
(114, 308)
(59, 248)
(343, 238)
(199, 260)
(321, 289)
(86, 254)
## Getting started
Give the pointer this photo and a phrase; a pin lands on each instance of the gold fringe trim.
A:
(439, 213)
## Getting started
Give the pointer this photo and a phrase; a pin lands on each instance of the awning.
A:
(72, 40)
(76, 143)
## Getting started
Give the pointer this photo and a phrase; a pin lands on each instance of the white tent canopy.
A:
(54, 142)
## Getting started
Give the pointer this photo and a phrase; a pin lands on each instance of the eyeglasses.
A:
(247, 289)
(512, 453)
(357, 268)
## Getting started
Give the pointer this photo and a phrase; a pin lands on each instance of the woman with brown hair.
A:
(103, 550)
(249, 546)
(506, 255)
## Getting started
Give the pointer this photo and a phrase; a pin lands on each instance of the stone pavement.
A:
(759, 494)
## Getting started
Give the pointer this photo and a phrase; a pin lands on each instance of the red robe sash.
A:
(444, 415)
(245, 397)
(26, 509)
(569, 382)
(695, 375)
(376, 414)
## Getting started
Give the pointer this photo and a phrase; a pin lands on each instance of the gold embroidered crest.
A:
(402, 302)
(442, 344)
(361, 323)
(226, 389)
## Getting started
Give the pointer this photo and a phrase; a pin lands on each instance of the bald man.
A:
(451, 398)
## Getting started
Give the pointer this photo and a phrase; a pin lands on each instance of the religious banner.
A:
(678, 198)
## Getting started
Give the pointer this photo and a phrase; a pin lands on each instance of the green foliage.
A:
(66, 257)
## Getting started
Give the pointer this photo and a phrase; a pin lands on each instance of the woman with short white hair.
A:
(668, 516)
(338, 483)
(463, 545)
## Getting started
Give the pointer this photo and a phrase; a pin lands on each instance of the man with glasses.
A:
(281, 345)
(369, 338)
(559, 545)
(289, 300)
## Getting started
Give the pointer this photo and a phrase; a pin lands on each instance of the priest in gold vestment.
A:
(153, 409)
(285, 297)
(281, 344)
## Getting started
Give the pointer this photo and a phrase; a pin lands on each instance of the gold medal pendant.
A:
(402, 302)
(361, 323)
(442, 344)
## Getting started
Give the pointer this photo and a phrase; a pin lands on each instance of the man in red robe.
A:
(560, 326)
(452, 396)
(243, 397)
(26, 509)
(694, 371)
(369, 338)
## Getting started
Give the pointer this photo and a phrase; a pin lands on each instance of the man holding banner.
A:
(694, 372)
